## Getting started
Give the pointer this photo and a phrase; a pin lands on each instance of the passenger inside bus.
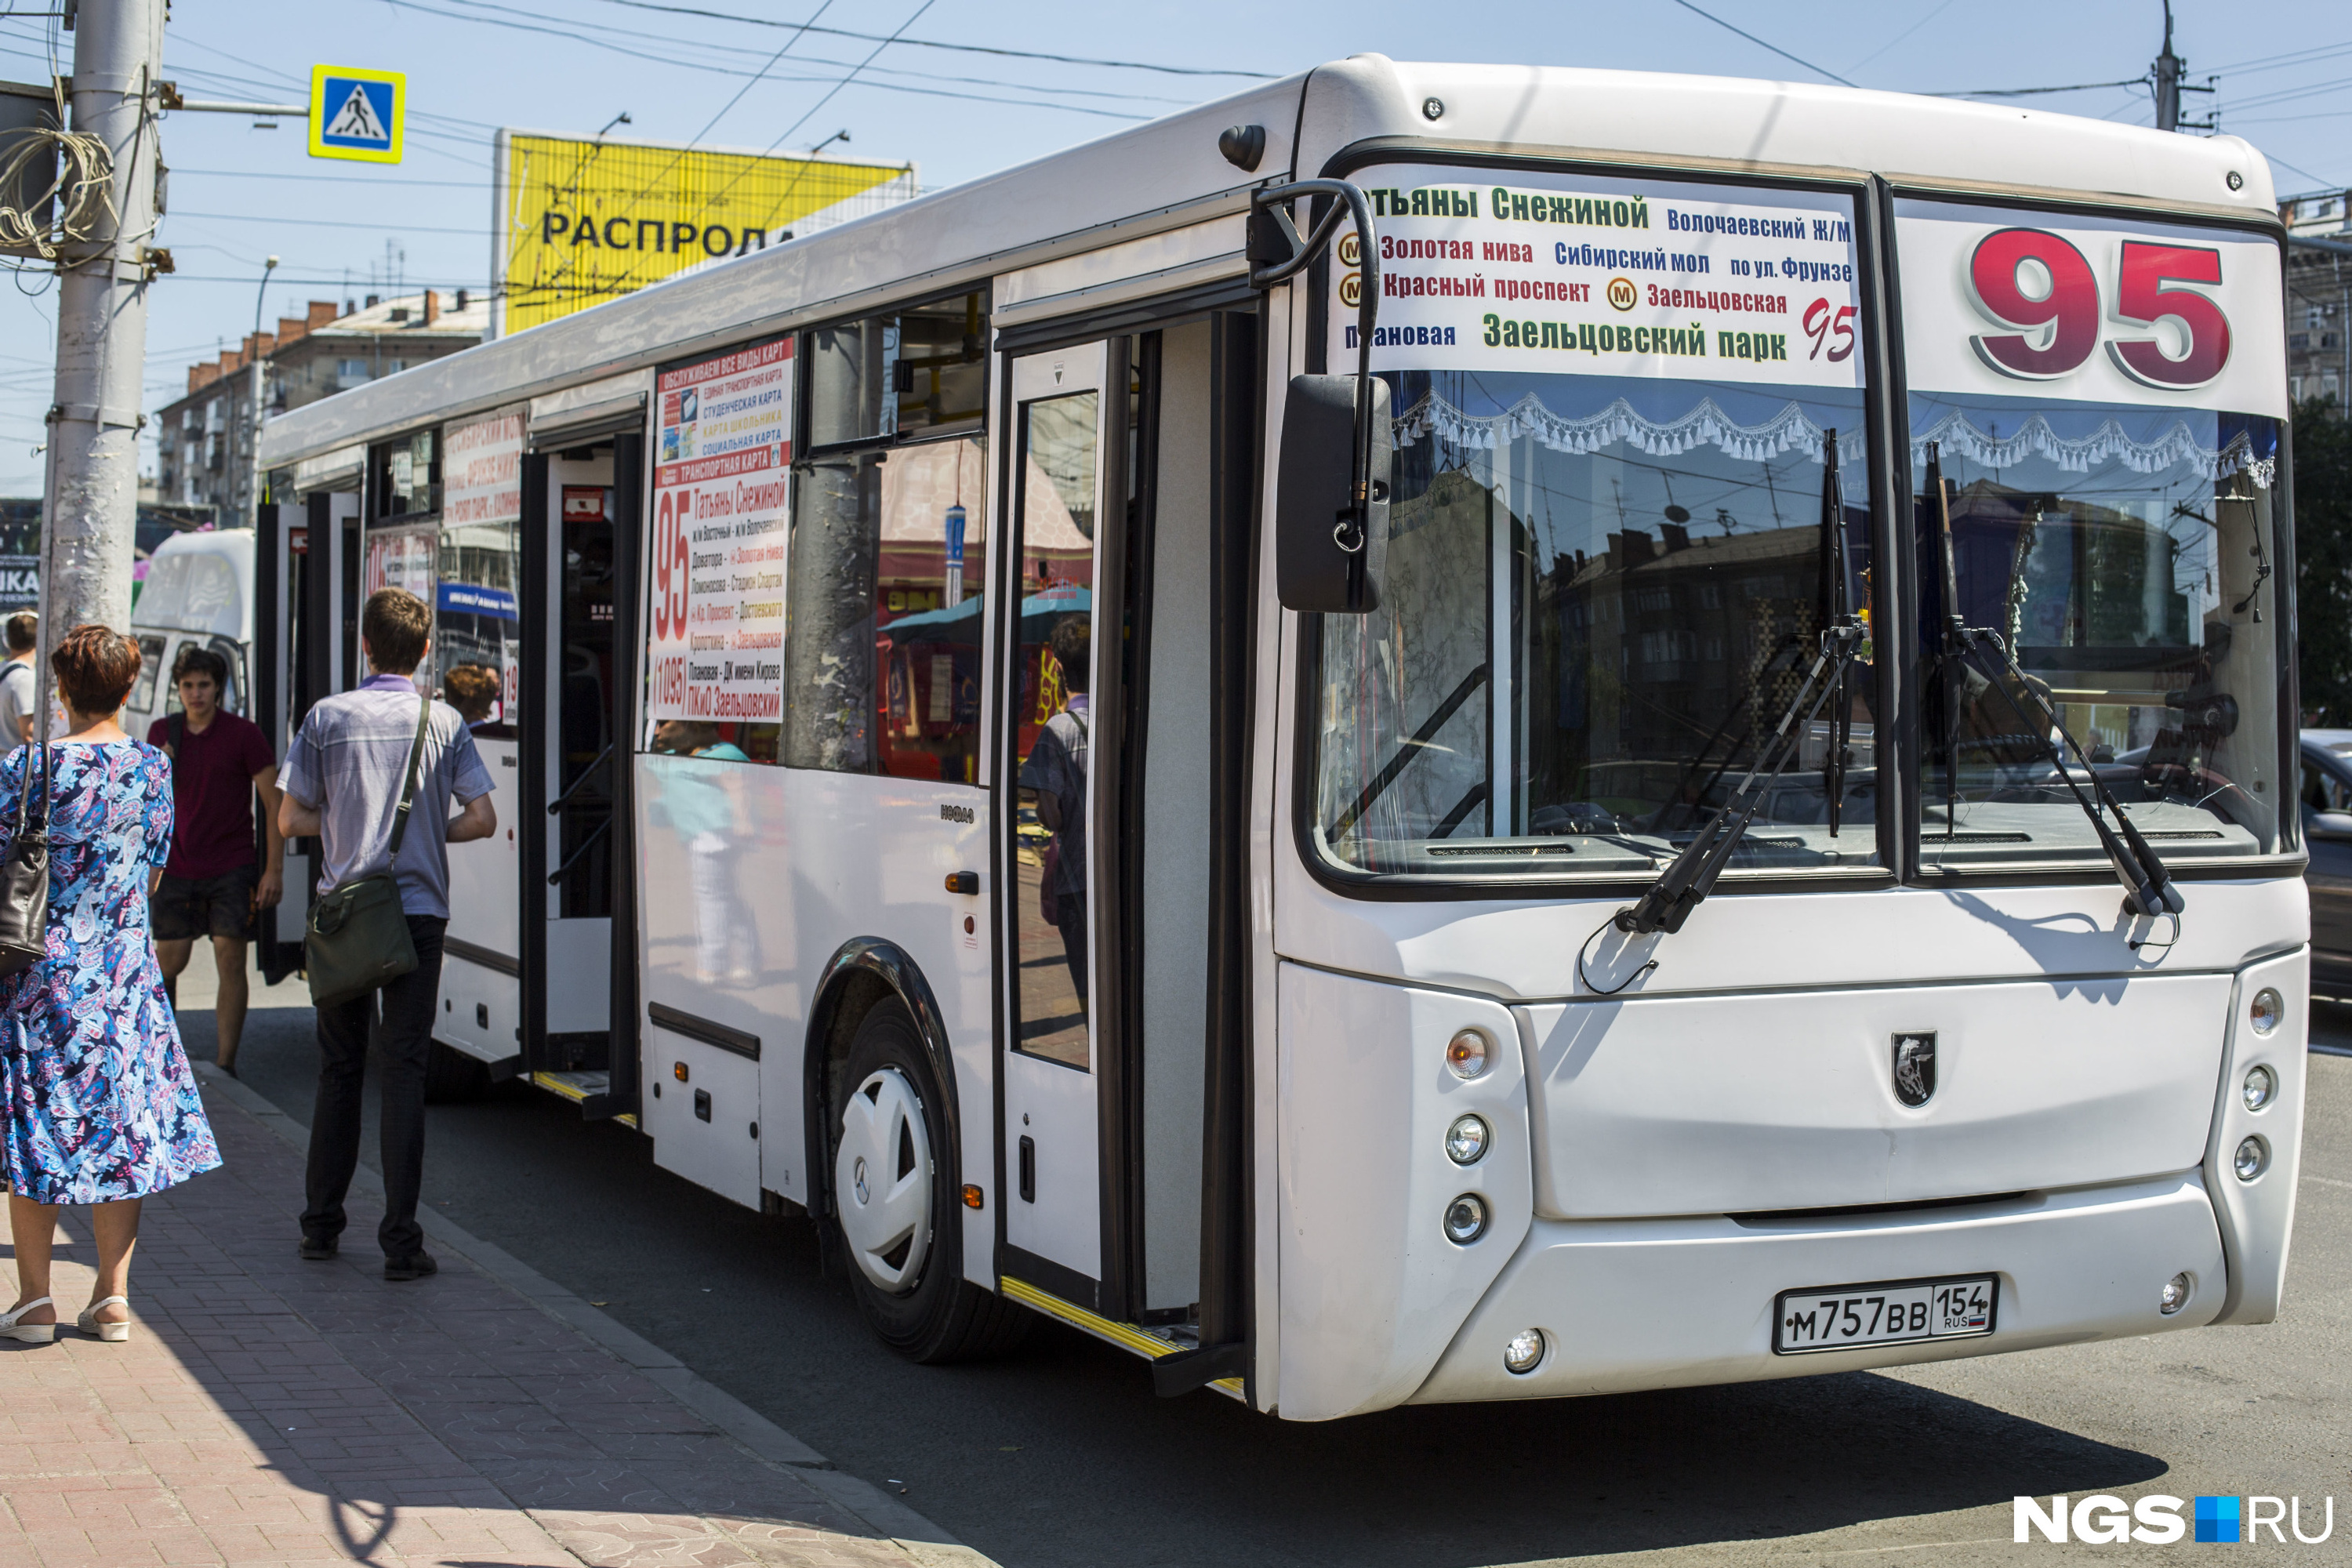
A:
(473, 690)
(1053, 780)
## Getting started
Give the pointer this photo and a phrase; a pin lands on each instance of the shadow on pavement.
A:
(1059, 1452)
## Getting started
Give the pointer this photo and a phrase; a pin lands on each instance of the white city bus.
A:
(1005, 750)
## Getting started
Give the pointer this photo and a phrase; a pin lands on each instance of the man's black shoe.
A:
(317, 1251)
(416, 1266)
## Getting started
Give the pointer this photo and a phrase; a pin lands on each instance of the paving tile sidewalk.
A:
(268, 1410)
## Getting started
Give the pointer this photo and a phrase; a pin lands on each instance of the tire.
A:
(451, 1076)
(894, 1202)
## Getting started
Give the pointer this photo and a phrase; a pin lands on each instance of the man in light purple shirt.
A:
(342, 784)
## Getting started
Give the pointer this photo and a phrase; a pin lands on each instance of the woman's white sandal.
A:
(28, 1333)
(112, 1333)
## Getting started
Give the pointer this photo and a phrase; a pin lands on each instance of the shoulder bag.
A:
(24, 868)
(358, 936)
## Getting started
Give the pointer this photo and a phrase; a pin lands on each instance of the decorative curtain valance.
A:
(1707, 424)
(2079, 454)
(1792, 430)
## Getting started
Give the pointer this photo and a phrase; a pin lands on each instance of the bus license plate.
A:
(1846, 1317)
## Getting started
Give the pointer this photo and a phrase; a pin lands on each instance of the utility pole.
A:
(2167, 79)
(250, 511)
(94, 422)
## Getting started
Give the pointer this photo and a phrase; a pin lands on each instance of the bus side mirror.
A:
(1314, 494)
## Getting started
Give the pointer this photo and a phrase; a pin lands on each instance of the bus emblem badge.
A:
(1915, 1066)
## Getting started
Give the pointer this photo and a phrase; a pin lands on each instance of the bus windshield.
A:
(2101, 399)
(1631, 493)
(1604, 594)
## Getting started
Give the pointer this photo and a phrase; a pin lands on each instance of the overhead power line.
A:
(573, 34)
(2140, 80)
(1685, 4)
(961, 48)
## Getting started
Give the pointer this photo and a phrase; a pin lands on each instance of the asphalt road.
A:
(1059, 1454)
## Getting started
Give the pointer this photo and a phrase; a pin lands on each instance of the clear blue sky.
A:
(238, 194)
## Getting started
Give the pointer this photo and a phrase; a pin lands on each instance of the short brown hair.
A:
(195, 660)
(396, 624)
(471, 688)
(95, 665)
(24, 631)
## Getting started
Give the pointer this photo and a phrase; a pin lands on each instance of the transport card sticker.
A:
(1555, 272)
(721, 488)
(2010, 302)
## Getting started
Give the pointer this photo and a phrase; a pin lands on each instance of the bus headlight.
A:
(2266, 1011)
(1466, 1140)
(1466, 1219)
(1525, 1349)
(1465, 1054)
(2252, 1158)
(2261, 1085)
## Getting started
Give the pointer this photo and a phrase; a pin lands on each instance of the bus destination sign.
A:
(721, 481)
(1537, 271)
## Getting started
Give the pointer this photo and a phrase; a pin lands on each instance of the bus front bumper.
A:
(1637, 1304)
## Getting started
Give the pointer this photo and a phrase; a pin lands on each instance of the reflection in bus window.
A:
(1053, 727)
(829, 614)
(475, 622)
(1603, 595)
(2124, 554)
(933, 566)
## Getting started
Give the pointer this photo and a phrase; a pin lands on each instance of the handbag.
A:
(357, 938)
(24, 871)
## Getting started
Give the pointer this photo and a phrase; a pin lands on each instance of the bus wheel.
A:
(894, 1199)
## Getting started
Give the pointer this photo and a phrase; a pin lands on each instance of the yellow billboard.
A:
(580, 221)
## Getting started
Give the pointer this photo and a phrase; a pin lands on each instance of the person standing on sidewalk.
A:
(17, 677)
(213, 886)
(342, 784)
(101, 1106)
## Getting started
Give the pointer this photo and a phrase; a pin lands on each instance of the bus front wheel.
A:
(894, 1201)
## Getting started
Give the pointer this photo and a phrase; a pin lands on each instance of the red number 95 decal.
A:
(2065, 300)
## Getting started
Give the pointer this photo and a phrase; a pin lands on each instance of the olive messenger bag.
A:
(358, 936)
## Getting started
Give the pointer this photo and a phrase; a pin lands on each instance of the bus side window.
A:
(889, 552)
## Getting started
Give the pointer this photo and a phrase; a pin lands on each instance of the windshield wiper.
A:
(2148, 889)
(1836, 609)
(1684, 884)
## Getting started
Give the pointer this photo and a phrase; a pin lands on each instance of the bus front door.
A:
(1059, 478)
(1106, 718)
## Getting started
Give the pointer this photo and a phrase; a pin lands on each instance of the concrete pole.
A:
(93, 500)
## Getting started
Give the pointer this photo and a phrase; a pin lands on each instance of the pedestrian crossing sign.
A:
(357, 113)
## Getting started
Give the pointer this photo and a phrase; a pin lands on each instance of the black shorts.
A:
(185, 907)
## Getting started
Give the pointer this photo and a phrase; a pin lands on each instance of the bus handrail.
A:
(580, 854)
(555, 808)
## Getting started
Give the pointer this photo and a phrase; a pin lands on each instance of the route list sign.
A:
(1560, 273)
(721, 491)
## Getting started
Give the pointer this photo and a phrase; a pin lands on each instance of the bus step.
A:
(591, 1091)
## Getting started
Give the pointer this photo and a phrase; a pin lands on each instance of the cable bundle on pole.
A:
(82, 190)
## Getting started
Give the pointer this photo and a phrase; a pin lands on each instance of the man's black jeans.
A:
(403, 1038)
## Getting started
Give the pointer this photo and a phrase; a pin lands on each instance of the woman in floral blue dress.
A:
(101, 1106)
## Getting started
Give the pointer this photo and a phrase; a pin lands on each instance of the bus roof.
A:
(1169, 173)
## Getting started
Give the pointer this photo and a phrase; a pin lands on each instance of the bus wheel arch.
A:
(877, 1022)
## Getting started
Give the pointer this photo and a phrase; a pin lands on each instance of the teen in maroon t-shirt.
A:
(212, 886)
